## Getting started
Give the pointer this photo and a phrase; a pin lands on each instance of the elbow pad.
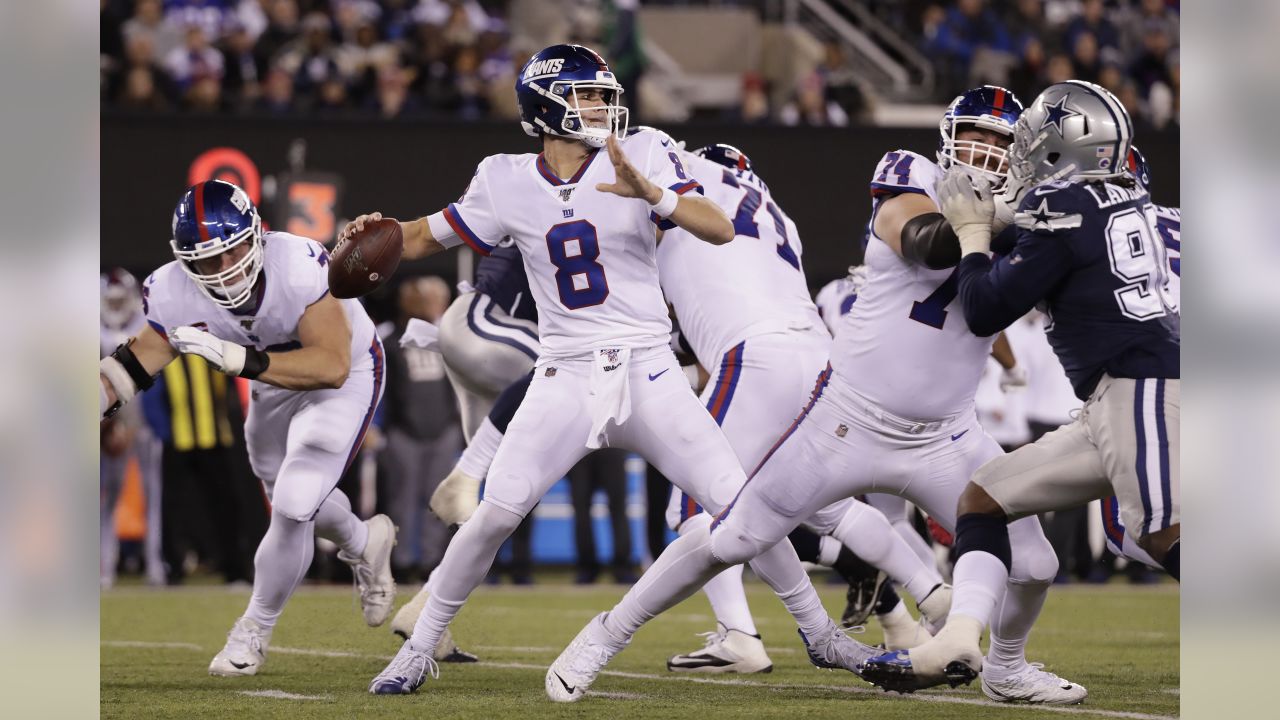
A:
(126, 375)
(928, 240)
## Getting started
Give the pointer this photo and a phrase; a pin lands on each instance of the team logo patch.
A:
(550, 372)
(842, 430)
(611, 358)
(1059, 112)
(247, 324)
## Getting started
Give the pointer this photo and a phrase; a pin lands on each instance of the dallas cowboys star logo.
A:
(1058, 112)
(1044, 219)
(1042, 215)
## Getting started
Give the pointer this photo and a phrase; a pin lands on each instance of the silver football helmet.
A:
(1073, 130)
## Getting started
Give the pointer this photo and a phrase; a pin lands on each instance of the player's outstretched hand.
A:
(358, 224)
(628, 182)
(226, 357)
(965, 199)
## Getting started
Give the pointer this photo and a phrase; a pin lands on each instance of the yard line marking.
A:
(617, 695)
(281, 695)
(141, 644)
(517, 648)
(918, 697)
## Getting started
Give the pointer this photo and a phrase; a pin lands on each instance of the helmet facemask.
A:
(576, 126)
(229, 288)
(984, 158)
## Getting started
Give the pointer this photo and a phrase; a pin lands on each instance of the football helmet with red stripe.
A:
(214, 218)
(989, 107)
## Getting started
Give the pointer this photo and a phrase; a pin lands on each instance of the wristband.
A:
(255, 362)
(666, 204)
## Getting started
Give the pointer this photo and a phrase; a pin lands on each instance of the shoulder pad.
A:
(1052, 207)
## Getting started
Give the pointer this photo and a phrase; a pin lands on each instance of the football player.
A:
(585, 222)
(753, 323)
(1169, 229)
(257, 306)
(126, 435)
(1087, 252)
(893, 412)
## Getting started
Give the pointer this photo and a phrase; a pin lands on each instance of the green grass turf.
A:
(1118, 640)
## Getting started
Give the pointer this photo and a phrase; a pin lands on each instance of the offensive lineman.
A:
(1086, 250)
(257, 306)
(605, 373)
(896, 398)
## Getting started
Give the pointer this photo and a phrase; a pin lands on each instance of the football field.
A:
(1120, 641)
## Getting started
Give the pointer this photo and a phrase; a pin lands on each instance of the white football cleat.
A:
(578, 666)
(405, 673)
(1031, 683)
(726, 651)
(372, 570)
(832, 649)
(456, 497)
(901, 631)
(245, 652)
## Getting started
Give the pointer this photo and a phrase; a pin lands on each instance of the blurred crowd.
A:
(1128, 46)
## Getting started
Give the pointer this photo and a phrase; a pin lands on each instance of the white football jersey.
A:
(753, 285)
(836, 299)
(590, 256)
(295, 274)
(905, 343)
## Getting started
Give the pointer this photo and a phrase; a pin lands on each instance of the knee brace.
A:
(986, 533)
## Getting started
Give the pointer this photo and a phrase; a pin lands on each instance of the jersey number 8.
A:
(574, 248)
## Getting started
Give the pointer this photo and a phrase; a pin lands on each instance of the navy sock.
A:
(985, 533)
(1171, 560)
(888, 599)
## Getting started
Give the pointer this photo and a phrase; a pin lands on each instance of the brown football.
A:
(362, 262)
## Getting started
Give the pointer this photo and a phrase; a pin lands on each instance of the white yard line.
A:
(281, 695)
(926, 697)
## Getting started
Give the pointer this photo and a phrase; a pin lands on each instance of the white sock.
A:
(336, 523)
(1015, 614)
(279, 565)
(918, 544)
(724, 591)
(469, 556)
(686, 565)
(828, 550)
(979, 582)
(478, 456)
(780, 568)
(867, 532)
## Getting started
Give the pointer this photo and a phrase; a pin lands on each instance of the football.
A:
(363, 261)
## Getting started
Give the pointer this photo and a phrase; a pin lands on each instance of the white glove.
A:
(969, 209)
(421, 334)
(1006, 202)
(1014, 378)
(227, 357)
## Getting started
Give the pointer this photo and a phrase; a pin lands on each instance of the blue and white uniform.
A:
(319, 429)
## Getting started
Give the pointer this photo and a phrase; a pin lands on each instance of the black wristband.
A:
(255, 362)
(928, 240)
(141, 378)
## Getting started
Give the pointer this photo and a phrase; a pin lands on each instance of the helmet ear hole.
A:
(1053, 157)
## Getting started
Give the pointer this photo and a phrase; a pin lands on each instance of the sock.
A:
(1016, 612)
(918, 544)
(780, 568)
(828, 551)
(279, 565)
(478, 456)
(980, 580)
(866, 532)
(686, 565)
(724, 591)
(336, 523)
(806, 542)
(1172, 560)
(469, 556)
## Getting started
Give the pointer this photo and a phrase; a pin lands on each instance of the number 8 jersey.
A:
(905, 345)
(590, 255)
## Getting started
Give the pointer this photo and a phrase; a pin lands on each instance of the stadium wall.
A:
(406, 169)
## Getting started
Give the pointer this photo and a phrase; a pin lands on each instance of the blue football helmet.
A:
(212, 218)
(1138, 168)
(989, 107)
(726, 155)
(547, 90)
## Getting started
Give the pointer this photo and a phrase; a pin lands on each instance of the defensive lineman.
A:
(897, 397)
(1085, 250)
(258, 306)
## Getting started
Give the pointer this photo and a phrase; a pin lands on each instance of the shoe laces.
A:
(403, 665)
(712, 638)
(590, 657)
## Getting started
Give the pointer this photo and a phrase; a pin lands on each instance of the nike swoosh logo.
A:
(655, 376)
(665, 143)
(566, 685)
(239, 666)
(957, 437)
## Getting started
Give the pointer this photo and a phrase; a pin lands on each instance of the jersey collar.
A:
(547, 174)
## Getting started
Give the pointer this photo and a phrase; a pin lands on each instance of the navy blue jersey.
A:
(500, 275)
(1086, 254)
